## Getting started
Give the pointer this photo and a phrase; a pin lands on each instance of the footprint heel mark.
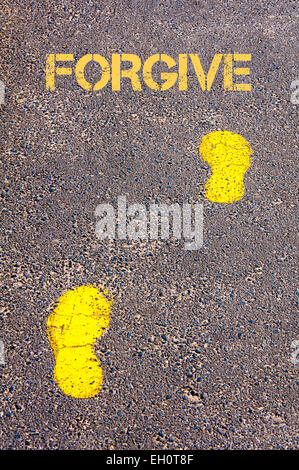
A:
(77, 322)
(229, 156)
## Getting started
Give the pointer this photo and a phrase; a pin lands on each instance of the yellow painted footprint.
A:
(229, 156)
(73, 327)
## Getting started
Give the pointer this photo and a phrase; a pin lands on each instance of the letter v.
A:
(200, 73)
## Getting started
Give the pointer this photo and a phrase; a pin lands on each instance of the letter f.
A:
(51, 71)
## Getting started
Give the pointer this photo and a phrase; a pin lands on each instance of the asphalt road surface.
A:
(198, 351)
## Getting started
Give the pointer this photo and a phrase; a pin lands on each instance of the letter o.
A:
(79, 71)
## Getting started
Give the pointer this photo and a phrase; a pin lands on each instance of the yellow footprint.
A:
(229, 156)
(73, 327)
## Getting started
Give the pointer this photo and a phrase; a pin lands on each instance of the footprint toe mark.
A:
(229, 156)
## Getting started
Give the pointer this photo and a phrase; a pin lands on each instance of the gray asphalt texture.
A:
(197, 354)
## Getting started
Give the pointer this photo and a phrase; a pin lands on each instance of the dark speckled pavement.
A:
(198, 351)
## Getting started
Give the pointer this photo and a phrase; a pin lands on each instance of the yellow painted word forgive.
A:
(145, 74)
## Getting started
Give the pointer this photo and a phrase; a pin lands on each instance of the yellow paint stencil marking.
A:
(73, 327)
(229, 156)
